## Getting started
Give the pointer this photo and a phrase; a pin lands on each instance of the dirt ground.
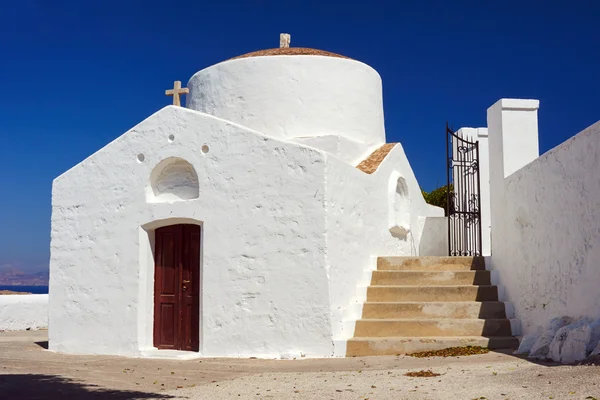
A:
(28, 371)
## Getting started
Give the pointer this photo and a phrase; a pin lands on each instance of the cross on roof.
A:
(284, 40)
(176, 91)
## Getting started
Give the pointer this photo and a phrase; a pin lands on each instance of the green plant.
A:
(437, 197)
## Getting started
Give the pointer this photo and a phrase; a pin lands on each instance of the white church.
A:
(269, 217)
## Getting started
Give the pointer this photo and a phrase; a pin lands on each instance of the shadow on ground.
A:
(50, 387)
(43, 345)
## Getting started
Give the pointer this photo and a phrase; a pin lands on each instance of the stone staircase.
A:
(430, 303)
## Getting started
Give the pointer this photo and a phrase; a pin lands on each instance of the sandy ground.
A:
(5, 292)
(27, 371)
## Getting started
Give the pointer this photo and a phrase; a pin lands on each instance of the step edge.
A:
(430, 319)
(380, 338)
(435, 302)
(431, 286)
(432, 271)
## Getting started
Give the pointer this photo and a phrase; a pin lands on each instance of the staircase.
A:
(430, 303)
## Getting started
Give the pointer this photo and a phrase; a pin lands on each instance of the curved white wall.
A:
(23, 311)
(294, 97)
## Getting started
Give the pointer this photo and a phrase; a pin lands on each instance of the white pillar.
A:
(481, 135)
(513, 143)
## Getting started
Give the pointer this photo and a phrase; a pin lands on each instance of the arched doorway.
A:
(177, 287)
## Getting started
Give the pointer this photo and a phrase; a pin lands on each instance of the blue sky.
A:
(77, 74)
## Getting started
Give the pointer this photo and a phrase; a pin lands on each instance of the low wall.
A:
(434, 239)
(20, 312)
(546, 234)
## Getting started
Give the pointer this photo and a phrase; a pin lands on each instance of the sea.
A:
(30, 289)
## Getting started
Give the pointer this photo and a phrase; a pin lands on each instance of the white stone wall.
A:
(334, 104)
(261, 203)
(545, 217)
(290, 235)
(26, 311)
(364, 213)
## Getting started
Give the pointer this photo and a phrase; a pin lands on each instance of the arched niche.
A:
(173, 179)
(399, 207)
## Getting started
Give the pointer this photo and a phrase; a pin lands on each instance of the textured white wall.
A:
(345, 149)
(261, 204)
(282, 273)
(434, 236)
(358, 230)
(20, 312)
(297, 97)
(545, 217)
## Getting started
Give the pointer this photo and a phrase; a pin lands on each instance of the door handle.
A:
(186, 281)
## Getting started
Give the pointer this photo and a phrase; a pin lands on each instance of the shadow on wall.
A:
(434, 239)
(48, 387)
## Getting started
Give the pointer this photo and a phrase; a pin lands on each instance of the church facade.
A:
(243, 224)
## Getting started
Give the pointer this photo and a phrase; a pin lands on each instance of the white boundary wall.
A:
(23, 311)
(545, 217)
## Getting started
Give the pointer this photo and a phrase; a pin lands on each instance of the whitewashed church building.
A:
(268, 217)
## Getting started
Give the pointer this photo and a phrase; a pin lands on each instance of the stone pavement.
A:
(27, 371)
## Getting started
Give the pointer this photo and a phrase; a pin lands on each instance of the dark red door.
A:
(177, 287)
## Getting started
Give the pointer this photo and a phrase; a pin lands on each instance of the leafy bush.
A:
(437, 197)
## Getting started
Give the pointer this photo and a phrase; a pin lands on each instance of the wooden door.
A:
(177, 287)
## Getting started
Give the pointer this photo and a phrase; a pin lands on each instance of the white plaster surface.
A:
(345, 149)
(545, 217)
(261, 206)
(358, 222)
(20, 312)
(434, 236)
(297, 97)
(288, 233)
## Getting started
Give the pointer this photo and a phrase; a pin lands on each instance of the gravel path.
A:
(27, 371)
(482, 377)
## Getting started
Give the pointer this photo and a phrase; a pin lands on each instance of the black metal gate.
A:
(463, 201)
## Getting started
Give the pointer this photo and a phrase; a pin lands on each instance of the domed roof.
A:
(290, 51)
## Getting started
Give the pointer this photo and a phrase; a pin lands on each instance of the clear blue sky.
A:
(75, 75)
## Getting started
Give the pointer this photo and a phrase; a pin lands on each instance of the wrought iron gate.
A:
(463, 207)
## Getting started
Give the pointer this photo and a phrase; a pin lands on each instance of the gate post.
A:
(480, 135)
(513, 143)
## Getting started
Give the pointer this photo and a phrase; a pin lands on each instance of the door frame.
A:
(147, 270)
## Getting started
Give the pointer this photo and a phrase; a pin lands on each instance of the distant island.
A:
(11, 276)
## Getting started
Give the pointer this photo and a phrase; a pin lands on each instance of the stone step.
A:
(430, 263)
(436, 278)
(431, 293)
(467, 309)
(376, 346)
(431, 327)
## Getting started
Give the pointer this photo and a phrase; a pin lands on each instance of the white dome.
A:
(295, 96)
